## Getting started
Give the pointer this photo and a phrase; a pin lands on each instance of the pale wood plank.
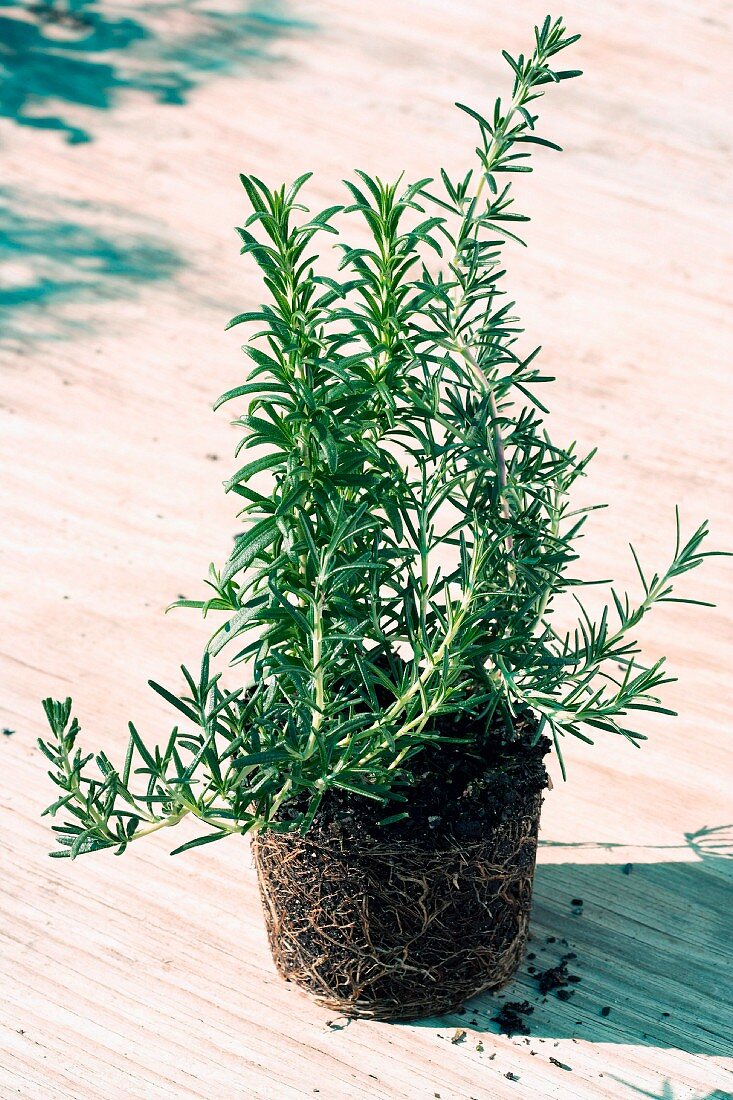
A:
(150, 977)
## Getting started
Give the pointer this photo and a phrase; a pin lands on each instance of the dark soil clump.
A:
(510, 1018)
(455, 794)
(558, 978)
(410, 919)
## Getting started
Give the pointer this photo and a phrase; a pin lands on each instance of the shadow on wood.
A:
(85, 54)
(57, 257)
(668, 1092)
(652, 952)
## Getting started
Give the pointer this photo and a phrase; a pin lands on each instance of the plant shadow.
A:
(652, 951)
(56, 256)
(668, 1091)
(57, 58)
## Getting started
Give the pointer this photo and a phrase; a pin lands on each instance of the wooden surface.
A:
(150, 977)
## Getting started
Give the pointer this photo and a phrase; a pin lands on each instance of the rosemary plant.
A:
(401, 569)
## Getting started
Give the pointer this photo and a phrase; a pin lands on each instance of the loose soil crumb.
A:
(458, 1036)
(627, 868)
(606, 1010)
(511, 1076)
(561, 1065)
(8, 732)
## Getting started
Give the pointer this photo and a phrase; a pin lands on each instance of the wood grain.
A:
(149, 977)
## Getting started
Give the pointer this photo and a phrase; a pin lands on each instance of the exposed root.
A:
(391, 930)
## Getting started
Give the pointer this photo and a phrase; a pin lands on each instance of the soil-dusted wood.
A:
(157, 984)
(398, 928)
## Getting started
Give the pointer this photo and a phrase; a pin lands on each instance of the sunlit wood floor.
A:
(148, 977)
